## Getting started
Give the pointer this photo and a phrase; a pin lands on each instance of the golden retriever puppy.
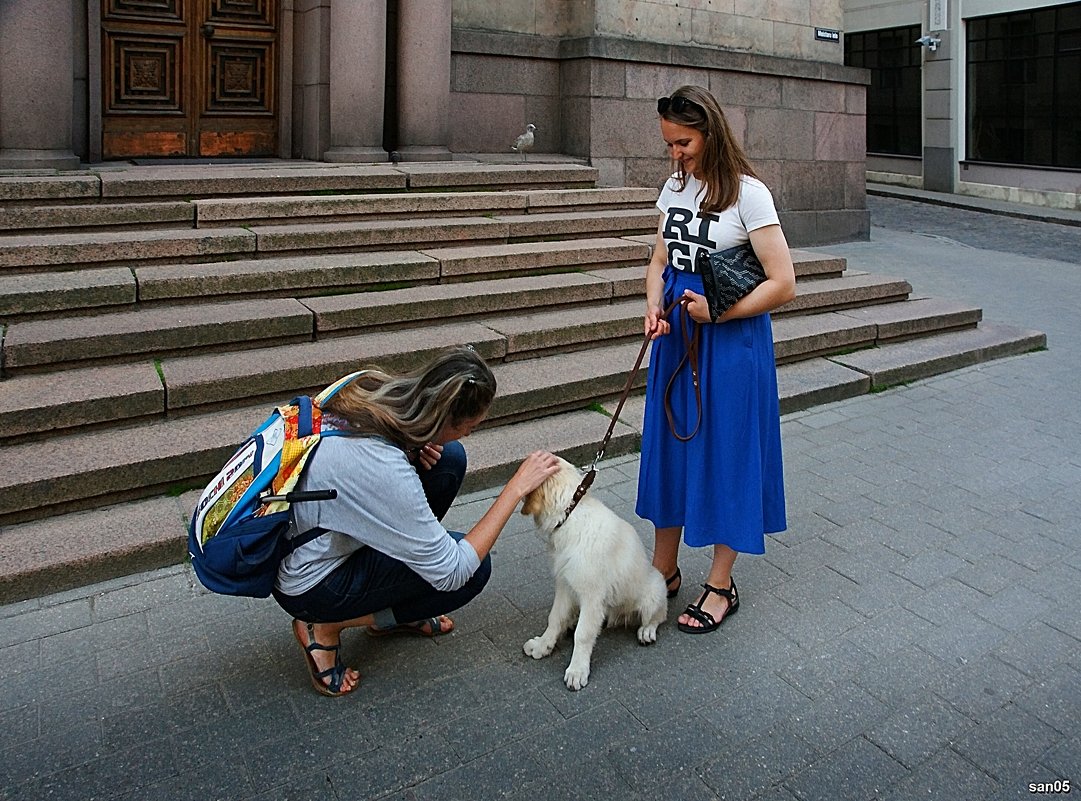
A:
(601, 572)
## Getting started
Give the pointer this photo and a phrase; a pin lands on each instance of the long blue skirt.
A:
(726, 484)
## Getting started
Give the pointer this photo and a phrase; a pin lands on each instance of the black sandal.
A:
(706, 620)
(336, 672)
(677, 576)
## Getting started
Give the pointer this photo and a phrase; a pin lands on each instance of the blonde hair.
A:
(723, 162)
(410, 409)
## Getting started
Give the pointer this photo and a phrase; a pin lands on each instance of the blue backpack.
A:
(236, 536)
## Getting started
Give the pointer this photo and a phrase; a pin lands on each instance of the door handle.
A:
(208, 31)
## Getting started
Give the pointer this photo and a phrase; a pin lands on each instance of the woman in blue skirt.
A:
(723, 487)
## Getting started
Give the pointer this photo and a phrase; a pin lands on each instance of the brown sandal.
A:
(706, 620)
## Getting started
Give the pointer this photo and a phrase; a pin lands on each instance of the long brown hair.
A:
(723, 161)
(410, 409)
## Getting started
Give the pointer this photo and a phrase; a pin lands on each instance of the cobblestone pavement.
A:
(914, 635)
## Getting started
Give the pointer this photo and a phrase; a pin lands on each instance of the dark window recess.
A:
(894, 109)
(1024, 80)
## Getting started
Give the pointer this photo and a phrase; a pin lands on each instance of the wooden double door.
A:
(189, 78)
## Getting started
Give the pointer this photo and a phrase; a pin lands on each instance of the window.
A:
(894, 110)
(1024, 81)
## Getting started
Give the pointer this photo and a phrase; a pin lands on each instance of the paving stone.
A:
(1006, 741)
(907, 672)
(753, 708)
(980, 686)
(917, 731)
(1053, 698)
(1037, 650)
(947, 775)
(753, 765)
(496, 775)
(1062, 759)
(858, 769)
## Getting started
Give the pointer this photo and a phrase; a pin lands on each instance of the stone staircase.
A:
(153, 315)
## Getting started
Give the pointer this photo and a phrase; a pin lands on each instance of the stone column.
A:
(424, 80)
(36, 85)
(357, 80)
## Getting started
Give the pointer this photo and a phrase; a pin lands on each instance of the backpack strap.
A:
(303, 539)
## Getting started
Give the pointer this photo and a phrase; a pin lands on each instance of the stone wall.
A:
(802, 122)
(767, 27)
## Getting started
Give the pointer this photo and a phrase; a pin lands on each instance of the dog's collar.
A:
(587, 482)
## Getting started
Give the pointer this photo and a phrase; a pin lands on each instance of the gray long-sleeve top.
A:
(380, 504)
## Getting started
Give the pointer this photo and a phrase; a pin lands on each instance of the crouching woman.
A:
(384, 560)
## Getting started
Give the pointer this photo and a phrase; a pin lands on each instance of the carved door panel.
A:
(189, 77)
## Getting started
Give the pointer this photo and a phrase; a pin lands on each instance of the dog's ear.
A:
(535, 500)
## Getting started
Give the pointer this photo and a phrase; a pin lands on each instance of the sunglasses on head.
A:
(678, 105)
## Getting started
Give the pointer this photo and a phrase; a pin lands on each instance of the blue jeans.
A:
(370, 582)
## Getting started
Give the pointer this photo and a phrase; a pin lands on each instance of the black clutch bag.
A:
(728, 275)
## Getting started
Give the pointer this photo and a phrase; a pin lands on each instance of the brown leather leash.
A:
(690, 357)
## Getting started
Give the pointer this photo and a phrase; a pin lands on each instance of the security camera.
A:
(930, 42)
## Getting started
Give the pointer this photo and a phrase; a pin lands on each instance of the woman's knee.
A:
(480, 578)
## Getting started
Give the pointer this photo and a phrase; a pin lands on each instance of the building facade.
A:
(92, 81)
(974, 97)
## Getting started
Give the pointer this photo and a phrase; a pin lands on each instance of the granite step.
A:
(84, 469)
(852, 289)
(296, 179)
(308, 275)
(26, 295)
(347, 208)
(112, 216)
(804, 336)
(27, 252)
(417, 233)
(42, 344)
(619, 260)
(902, 362)
(188, 384)
(78, 548)
(415, 305)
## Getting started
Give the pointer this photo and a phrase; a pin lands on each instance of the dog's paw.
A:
(647, 634)
(538, 648)
(576, 677)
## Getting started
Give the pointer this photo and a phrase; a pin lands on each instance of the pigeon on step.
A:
(524, 143)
